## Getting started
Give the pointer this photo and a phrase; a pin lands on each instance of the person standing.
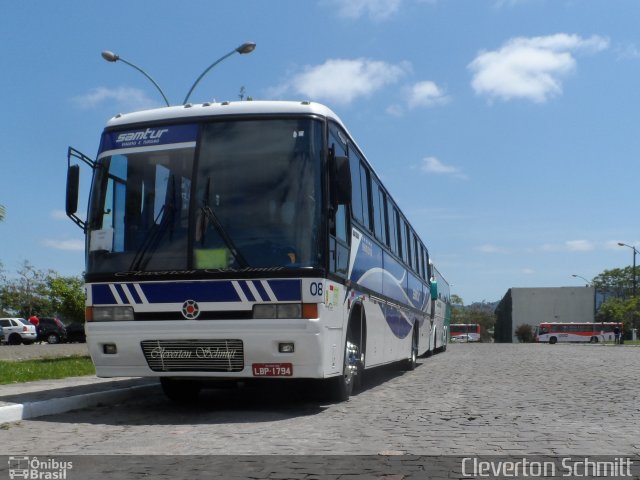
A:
(616, 334)
(34, 320)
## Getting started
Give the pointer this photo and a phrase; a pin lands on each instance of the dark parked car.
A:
(75, 332)
(51, 330)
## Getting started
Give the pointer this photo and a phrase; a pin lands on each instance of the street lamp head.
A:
(247, 47)
(110, 56)
(621, 244)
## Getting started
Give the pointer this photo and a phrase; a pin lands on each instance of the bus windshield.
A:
(246, 195)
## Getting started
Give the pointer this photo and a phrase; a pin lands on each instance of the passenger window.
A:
(393, 227)
(416, 261)
(379, 216)
(407, 236)
(402, 240)
(356, 193)
(364, 185)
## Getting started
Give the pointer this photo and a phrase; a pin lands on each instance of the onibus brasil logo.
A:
(37, 469)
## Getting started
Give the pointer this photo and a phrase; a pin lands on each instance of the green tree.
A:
(622, 310)
(617, 282)
(27, 294)
(524, 333)
(66, 296)
(458, 313)
(3, 212)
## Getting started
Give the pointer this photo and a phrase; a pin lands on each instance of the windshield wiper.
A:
(213, 218)
(152, 240)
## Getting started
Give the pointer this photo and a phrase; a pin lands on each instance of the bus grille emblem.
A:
(190, 310)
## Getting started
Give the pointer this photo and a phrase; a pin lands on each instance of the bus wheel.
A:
(180, 391)
(410, 363)
(593, 340)
(341, 387)
(553, 340)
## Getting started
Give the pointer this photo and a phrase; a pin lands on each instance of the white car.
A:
(18, 330)
(463, 338)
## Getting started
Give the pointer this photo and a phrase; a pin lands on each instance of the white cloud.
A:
(71, 245)
(490, 248)
(628, 52)
(530, 68)
(59, 215)
(433, 165)
(569, 246)
(126, 98)
(509, 3)
(395, 110)
(579, 245)
(374, 9)
(528, 271)
(427, 94)
(342, 81)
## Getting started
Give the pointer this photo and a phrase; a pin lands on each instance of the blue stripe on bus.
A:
(247, 291)
(264, 296)
(215, 291)
(134, 293)
(178, 292)
(120, 290)
(101, 295)
(286, 290)
(399, 324)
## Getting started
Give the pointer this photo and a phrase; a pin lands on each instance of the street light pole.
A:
(635, 281)
(578, 276)
(247, 47)
(112, 57)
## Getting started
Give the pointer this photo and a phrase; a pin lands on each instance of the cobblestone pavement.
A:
(475, 399)
(41, 350)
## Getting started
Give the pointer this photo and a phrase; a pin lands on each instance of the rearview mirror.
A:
(73, 185)
(434, 290)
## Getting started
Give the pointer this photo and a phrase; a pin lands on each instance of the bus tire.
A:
(341, 387)
(593, 340)
(411, 362)
(553, 340)
(180, 391)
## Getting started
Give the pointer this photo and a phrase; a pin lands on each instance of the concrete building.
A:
(535, 305)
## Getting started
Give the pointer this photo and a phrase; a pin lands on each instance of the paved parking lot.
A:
(475, 399)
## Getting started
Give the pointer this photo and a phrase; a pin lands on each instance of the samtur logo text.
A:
(143, 137)
(36, 469)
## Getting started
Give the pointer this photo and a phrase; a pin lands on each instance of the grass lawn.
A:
(44, 369)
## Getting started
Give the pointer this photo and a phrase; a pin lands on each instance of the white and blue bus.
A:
(248, 240)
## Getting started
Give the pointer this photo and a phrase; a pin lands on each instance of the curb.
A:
(14, 412)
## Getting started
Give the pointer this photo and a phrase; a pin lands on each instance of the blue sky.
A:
(507, 130)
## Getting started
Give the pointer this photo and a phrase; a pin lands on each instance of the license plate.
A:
(272, 369)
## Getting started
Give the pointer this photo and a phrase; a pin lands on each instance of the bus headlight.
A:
(111, 314)
(280, 310)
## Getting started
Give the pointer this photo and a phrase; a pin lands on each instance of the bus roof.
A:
(213, 109)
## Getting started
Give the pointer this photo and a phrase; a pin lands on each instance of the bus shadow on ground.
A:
(225, 403)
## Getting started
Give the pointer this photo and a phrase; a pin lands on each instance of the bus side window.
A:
(339, 240)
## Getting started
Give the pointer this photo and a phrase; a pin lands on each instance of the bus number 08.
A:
(315, 289)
